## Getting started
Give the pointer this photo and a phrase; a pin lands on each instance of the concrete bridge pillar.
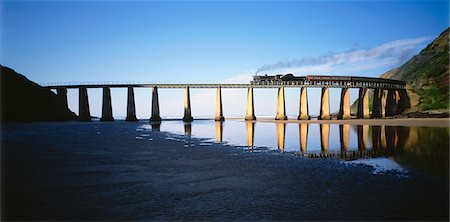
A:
(303, 112)
(83, 107)
(383, 103)
(155, 106)
(363, 104)
(131, 108)
(324, 137)
(250, 127)
(344, 108)
(250, 110)
(377, 105)
(303, 131)
(61, 97)
(219, 110)
(107, 107)
(187, 106)
(281, 128)
(404, 101)
(325, 105)
(391, 102)
(344, 132)
(281, 106)
(61, 94)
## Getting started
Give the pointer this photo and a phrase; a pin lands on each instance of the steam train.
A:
(314, 79)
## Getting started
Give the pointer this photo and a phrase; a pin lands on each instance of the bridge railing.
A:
(46, 84)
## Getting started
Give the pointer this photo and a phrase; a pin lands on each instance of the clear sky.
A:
(70, 41)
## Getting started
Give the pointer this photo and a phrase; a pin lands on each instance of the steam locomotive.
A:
(279, 78)
(314, 79)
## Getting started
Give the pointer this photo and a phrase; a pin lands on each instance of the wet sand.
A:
(117, 171)
(425, 122)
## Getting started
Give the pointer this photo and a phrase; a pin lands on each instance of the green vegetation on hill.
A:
(427, 74)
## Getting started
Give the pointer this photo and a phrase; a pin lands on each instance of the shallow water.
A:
(422, 148)
(128, 171)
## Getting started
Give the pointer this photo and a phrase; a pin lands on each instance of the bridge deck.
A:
(222, 85)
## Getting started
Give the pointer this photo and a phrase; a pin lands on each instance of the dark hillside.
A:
(24, 101)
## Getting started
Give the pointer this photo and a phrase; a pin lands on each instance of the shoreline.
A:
(414, 122)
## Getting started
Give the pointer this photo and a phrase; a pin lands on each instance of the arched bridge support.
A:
(107, 106)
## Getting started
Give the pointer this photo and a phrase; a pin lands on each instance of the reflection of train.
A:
(312, 79)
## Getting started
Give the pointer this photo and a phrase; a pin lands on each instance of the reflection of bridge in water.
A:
(385, 140)
(416, 147)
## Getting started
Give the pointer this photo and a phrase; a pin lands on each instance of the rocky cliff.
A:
(426, 75)
(24, 101)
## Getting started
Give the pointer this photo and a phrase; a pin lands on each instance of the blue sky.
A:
(70, 41)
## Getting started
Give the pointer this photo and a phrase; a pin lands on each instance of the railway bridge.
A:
(389, 97)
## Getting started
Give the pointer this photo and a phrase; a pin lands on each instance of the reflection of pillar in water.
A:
(324, 137)
(219, 131)
(383, 137)
(156, 126)
(363, 134)
(391, 136)
(187, 129)
(344, 132)
(250, 126)
(280, 135)
(403, 136)
(376, 137)
(303, 130)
